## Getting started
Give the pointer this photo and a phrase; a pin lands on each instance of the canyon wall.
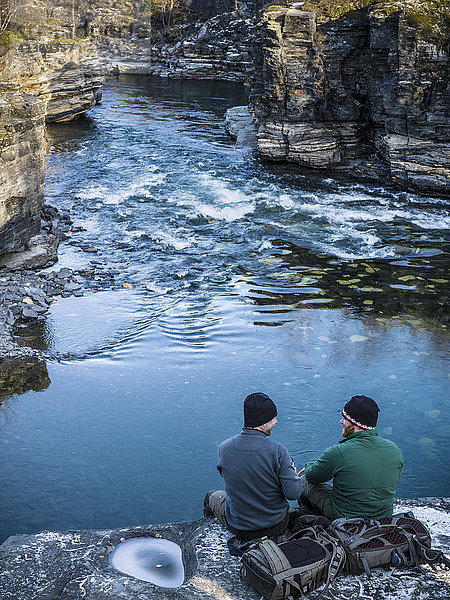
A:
(22, 167)
(66, 75)
(362, 93)
(219, 48)
(42, 81)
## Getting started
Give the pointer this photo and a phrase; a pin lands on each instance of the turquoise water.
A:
(241, 277)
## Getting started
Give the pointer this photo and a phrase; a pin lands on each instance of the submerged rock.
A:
(74, 564)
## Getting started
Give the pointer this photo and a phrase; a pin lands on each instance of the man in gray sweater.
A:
(259, 476)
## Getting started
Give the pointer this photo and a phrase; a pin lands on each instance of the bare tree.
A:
(8, 8)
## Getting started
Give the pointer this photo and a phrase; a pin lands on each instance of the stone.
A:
(67, 76)
(40, 252)
(18, 376)
(22, 143)
(219, 48)
(364, 93)
(72, 565)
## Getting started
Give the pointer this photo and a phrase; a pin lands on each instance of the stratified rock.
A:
(66, 75)
(218, 49)
(22, 167)
(74, 564)
(361, 93)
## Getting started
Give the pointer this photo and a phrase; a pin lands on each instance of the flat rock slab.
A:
(41, 252)
(73, 565)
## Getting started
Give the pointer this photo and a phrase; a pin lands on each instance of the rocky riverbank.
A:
(74, 564)
(28, 287)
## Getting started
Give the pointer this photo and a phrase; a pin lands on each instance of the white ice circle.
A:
(155, 560)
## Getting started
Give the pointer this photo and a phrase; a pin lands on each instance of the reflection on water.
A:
(18, 376)
(239, 277)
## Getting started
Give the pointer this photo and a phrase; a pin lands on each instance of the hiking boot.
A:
(207, 512)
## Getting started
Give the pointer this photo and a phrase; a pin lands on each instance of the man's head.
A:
(359, 414)
(260, 412)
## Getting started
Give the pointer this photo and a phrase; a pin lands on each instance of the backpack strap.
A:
(365, 564)
(336, 562)
(275, 557)
(347, 540)
(432, 556)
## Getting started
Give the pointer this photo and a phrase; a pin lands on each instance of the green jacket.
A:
(365, 469)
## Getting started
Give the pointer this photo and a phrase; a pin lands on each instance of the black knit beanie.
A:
(258, 409)
(362, 412)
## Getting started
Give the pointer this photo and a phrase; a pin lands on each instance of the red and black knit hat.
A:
(362, 412)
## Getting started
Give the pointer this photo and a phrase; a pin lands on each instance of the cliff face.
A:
(219, 49)
(360, 92)
(56, 81)
(67, 76)
(22, 171)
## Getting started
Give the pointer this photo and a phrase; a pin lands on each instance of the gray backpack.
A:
(288, 570)
(399, 541)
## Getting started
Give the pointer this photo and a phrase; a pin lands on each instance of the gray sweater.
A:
(259, 477)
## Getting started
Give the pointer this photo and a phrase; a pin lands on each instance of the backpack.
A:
(295, 567)
(398, 541)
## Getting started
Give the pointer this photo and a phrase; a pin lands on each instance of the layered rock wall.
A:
(361, 92)
(53, 81)
(219, 49)
(67, 76)
(22, 146)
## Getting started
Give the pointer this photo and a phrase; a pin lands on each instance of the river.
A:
(214, 275)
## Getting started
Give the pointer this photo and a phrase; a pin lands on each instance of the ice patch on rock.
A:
(155, 560)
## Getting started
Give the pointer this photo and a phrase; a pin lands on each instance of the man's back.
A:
(258, 477)
(366, 469)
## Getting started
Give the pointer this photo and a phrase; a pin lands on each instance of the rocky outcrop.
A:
(22, 169)
(218, 49)
(67, 76)
(74, 564)
(363, 93)
(241, 126)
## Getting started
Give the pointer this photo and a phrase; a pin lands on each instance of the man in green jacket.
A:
(365, 468)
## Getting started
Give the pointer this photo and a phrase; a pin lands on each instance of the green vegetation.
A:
(336, 8)
(9, 37)
(433, 19)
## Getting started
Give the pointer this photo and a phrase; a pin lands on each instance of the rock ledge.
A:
(73, 565)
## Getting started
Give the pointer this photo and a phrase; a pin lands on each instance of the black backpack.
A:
(398, 541)
(290, 569)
